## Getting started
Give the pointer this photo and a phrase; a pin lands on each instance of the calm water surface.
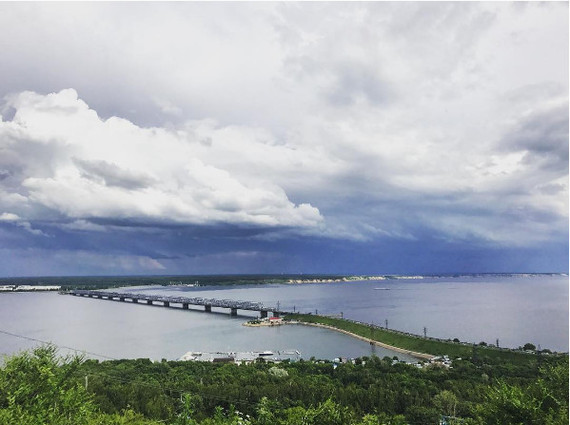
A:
(515, 310)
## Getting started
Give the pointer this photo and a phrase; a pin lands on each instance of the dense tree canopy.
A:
(38, 387)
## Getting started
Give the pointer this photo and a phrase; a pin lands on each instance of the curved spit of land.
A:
(413, 345)
(415, 354)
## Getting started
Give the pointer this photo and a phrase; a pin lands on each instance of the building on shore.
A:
(242, 357)
(28, 288)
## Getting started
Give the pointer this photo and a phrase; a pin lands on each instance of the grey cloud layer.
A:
(360, 121)
(543, 134)
(112, 175)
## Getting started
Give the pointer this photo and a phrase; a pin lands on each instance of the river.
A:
(514, 309)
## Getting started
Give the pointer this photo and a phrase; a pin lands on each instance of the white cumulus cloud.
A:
(83, 167)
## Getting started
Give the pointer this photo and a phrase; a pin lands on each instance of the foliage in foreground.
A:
(39, 388)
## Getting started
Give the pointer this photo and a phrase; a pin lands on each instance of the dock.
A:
(242, 357)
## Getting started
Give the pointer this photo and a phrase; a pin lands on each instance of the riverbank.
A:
(408, 343)
(273, 321)
(421, 356)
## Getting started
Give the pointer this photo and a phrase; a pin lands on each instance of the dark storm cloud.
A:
(221, 230)
(130, 238)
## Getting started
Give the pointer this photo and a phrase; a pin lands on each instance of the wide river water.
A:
(515, 310)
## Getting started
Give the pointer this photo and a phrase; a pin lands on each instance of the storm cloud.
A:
(269, 137)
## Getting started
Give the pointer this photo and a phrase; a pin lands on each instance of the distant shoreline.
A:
(361, 278)
(346, 279)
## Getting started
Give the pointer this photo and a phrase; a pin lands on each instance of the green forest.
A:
(40, 387)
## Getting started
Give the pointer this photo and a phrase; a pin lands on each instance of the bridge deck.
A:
(208, 302)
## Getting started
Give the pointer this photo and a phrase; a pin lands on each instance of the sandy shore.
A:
(422, 356)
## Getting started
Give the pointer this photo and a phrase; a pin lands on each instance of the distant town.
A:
(28, 288)
(350, 279)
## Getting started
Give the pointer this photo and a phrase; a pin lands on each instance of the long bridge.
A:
(185, 302)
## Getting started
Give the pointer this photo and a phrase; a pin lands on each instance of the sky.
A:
(338, 138)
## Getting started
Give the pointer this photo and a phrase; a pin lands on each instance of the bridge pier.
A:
(166, 304)
(233, 311)
(122, 299)
(208, 308)
(263, 314)
(149, 302)
(135, 300)
(185, 306)
(100, 297)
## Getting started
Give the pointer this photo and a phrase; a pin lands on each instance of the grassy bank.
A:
(416, 343)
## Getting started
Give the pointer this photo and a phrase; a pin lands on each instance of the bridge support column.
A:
(185, 306)
(208, 308)
(135, 300)
(100, 297)
(149, 302)
(122, 299)
(166, 304)
(233, 312)
(263, 314)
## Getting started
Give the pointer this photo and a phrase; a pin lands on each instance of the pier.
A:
(183, 302)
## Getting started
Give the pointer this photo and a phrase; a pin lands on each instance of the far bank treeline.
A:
(103, 282)
(40, 388)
